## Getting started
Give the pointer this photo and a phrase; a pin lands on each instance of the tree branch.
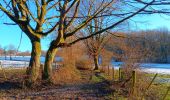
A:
(73, 18)
(112, 26)
(12, 17)
(87, 20)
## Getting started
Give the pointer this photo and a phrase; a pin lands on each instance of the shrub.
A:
(83, 64)
(66, 74)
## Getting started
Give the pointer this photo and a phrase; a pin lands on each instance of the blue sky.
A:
(145, 22)
(11, 34)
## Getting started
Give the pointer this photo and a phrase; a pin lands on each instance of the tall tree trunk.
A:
(96, 62)
(34, 65)
(48, 63)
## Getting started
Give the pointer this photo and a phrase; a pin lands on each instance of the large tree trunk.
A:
(48, 63)
(34, 65)
(96, 62)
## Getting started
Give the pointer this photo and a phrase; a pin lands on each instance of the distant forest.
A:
(142, 46)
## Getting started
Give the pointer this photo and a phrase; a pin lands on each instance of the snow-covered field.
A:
(25, 58)
(22, 62)
(156, 70)
(149, 67)
(13, 64)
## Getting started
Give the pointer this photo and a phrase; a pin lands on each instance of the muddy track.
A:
(80, 91)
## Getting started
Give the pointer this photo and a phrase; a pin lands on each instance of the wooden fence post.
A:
(133, 80)
(120, 74)
(113, 72)
(108, 70)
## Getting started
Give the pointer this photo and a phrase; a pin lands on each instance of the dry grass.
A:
(66, 74)
(155, 92)
(140, 89)
(12, 73)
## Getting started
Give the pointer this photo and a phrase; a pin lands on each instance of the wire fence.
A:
(55, 66)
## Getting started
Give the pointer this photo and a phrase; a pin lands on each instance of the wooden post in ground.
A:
(133, 80)
(108, 70)
(113, 73)
(120, 74)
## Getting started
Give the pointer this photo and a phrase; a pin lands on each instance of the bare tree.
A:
(67, 27)
(35, 18)
(95, 44)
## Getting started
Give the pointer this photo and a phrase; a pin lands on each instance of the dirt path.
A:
(80, 91)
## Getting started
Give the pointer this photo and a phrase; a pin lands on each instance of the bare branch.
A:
(112, 26)
(53, 6)
(74, 15)
(12, 17)
(87, 20)
(38, 8)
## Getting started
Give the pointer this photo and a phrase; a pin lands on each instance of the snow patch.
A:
(156, 70)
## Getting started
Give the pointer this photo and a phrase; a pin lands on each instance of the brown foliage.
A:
(72, 53)
(66, 74)
(83, 64)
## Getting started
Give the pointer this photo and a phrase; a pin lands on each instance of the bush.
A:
(66, 74)
(83, 64)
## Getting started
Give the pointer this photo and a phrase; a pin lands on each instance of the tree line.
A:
(141, 46)
(157, 43)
